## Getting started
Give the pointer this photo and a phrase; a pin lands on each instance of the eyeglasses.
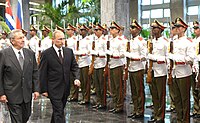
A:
(69, 29)
(96, 29)
(133, 27)
(195, 27)
(82, 29)
(178, 26)
(113, 28)
(61, 39)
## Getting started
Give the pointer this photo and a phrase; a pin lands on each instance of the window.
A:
(153, 2)
(145, 14)
(157, 13)
(166, 12)
(193, 10)
(145, 2)
(166, 1)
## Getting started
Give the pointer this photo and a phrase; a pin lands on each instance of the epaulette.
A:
(120, 38)
(104, 38)
(125, 37)
(87, 38)
(189, 39)
(140, 38)
(74, 38)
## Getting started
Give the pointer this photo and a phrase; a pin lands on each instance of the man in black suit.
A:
(55, 67)
(18, 78)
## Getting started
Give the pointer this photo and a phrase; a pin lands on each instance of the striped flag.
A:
(9, 16)
(19, 18)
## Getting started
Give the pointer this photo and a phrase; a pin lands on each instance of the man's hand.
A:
(45, 94)
(3, 99)
(77, 82)
(36, 95)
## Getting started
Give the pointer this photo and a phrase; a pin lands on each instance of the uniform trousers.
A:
(85, 83)
(137, 91)
(116, 81)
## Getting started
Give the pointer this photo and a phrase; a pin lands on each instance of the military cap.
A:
(84, 27)
(59, 28)
(24, 31)
(135, 24)
(156, 23)
(180, 22)
(70, 27)
(115, 25)
(33, 28)
(4, 33)
(104, 26)
(195, 24)
(45, 28)
(91, 25)
(98, 26)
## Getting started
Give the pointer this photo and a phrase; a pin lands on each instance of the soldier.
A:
(183, 57)
(158, 56)
(116, 51)
(136, 55)
(71, 43)
(99, 64)
(84, 62)
(46, 42)
(34, 41)
(173, 36)
(195, 91)
(26, 41)
(4, 42)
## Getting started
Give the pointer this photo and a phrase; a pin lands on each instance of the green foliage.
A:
(145, 33)
(193, 35)
(167, 33)
(4, 26)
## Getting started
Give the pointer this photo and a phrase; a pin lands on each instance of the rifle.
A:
(93, 59)
(149, 71)
(66, 43)
(197, 84)
(127, 61)
(39, 52)
(77, 49)
(170, 79)
(108, 59)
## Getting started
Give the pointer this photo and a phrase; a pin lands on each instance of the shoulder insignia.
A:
(87, 38)
(140, 38)
(189, 39)
(125, 37)
(104, 38)
(74, 38)
(120, 38)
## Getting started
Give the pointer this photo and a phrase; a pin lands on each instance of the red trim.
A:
(135, 59)
(179, 63)
(160, 62)
(115, 57)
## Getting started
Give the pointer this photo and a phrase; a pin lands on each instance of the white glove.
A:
(93, 52)
(77, 82)
(109, 52)
(127, 54)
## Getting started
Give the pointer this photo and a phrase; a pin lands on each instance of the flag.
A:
(19, 18)
(9, 16)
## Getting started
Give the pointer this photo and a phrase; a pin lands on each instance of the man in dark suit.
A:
(18, 78)
(55, 67)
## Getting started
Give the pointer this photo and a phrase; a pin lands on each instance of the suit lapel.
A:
(14, 59)
(53, 52)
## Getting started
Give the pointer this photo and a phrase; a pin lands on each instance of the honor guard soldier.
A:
(183, 57)
(136, 54)
(99, 54)
(195, 83)
(4, 42)
(173, 36)
(116, 65)
(158, 57)
(46, 42)
(71, 43)
(26, 41)
(34, 41)
(83, 59)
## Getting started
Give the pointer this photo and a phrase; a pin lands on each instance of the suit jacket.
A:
(55, 76)
(15, 83)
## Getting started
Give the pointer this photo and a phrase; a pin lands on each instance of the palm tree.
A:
(3, 25)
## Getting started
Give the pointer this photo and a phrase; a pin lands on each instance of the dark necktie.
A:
(21, 60)
(60, 56)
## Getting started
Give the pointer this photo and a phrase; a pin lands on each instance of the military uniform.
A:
(46, 42)
(195, 91)
(116, 65)
(84, 62)
(71, 43)
(159, 56)
(183, 56)
(26, 41)
(4, 42)
(99, 65)
(136, 55)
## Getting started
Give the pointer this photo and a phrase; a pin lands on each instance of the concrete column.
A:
(177, 9)
(116, 10)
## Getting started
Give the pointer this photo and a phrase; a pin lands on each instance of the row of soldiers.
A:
(112, 58)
